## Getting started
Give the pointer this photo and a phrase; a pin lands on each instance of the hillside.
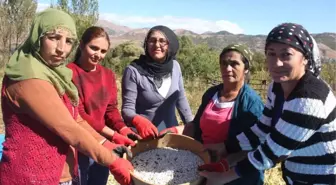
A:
(216, 40)
(113, 29)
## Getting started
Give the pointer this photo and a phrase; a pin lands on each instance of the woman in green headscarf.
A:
(226, 110)
(39, 106)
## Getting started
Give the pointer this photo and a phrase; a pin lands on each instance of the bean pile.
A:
(166, 166)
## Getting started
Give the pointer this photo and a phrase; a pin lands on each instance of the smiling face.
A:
(157, 46)
(285, 63)
(232, 67)
(55, 47)
(94, 51)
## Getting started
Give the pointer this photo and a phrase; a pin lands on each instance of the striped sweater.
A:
(303, 138)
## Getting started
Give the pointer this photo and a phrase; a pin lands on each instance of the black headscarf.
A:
(297, 37)
(146, 65)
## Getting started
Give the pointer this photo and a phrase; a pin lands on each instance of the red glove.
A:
(109, 145)
(145, 128)
(169, 130)
(129, 133)
(120, 139)
(120, 169)
(221, 166)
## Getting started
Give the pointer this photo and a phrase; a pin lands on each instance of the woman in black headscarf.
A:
(298, 126)
(152, 86)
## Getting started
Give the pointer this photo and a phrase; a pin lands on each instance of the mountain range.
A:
(217, 40)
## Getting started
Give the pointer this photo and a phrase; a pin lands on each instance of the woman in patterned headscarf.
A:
(227, 109)
(298, 124)
(39, 106)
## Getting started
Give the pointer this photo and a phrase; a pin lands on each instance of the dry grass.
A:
(194, 91)
(274, 176)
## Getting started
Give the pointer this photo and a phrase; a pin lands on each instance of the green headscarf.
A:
(26, 63)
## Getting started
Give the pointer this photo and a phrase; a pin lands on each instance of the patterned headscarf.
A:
(243, 50)
(297, 37)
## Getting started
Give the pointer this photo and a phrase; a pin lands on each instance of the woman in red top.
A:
(39, 106)
(98, 94)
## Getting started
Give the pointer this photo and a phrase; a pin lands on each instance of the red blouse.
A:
(215, 121)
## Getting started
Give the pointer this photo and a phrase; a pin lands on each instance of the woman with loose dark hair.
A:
(98, 100)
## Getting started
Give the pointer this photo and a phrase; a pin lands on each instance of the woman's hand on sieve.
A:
(117, 149)
(121, 150)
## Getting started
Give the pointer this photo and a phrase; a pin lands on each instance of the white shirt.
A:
(166, 83)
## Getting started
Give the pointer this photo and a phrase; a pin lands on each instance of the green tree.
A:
(127, 49)
(15, 19)
(120, 56)
(258, 63)
(84, 12)
(185, 42)
(328, 73)
(197, 60)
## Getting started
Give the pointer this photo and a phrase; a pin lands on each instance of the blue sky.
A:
(243, 16)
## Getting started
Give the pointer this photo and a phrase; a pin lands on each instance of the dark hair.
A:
(244, 59)
(90, 34)
(245, 62)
